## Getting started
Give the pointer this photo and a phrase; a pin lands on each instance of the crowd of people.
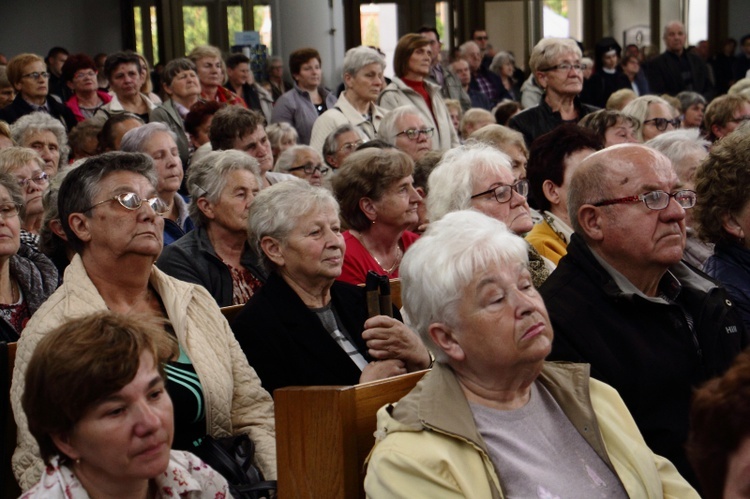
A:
(593, 210)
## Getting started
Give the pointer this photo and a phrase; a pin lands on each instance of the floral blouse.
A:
(186, 477)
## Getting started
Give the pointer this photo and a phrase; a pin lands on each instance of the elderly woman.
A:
(27, 167)
(47, 136)
(553, 159)
(339, 144)
(378, 202)
(479, 177)
(654, 116)
(27, 277)
(123, 71)
(109, 209)
(405, 129)
(411, 63)
(303, 327)
(517, 426)
(722, 214)
(475, 119)
(103, 430)
(302, 105)
(212, 74)
(724, 114)
(158, 141)
(612, 127)
(363, 81)
(79, 74)
(282, 136)
(303, 162)
(686, 149)
(216, 254)
(556, 66)
(504, 65)
(183, 88)
(692, 105)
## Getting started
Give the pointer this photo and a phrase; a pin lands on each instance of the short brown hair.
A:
(720, 111)
(300, 57)
(368, 174)
(17, 64)
(405, 47)
(83, 361)
(721, 183)
(231, 123)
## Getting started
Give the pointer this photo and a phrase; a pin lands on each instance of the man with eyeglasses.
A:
(622, 300)
(28, 75)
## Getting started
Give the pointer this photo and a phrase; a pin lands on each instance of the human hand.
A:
(389, 338)
(381, 369)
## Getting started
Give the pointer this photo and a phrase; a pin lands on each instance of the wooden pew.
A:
(324, 434)
(231, 312)
(8, 486)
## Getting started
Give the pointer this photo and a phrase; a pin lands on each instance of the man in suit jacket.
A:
(676, 70)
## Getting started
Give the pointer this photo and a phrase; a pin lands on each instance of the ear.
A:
(444, 337)
(17, 86)
(717, 130)
(62, 442)
(551, 192)
(167, 90)
(79, 224)
(541, 79)
(367, 206)
(206, 208)
(56, 227)
(347, 79)
(729, 224)
(590, 220)
(421, 193)
(273, 250)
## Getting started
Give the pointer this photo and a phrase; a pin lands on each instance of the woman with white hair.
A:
(303, 162)
(480, 177)
(46, 135)
(216, 254)
(654, 115)
(363, 81)
(26, 166)
(158, 141)
(406, 130)
(492, 418)
(282, 136)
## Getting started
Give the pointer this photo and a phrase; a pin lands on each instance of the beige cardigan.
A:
(235, 401)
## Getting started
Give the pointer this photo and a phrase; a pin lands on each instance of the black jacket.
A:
(538, 120)
(644, 349)
(19, 107)
(665, 77)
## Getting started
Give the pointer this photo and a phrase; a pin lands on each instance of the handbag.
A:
(232, 457)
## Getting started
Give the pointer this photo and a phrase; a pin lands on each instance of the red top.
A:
(358, 261)
(419, 87)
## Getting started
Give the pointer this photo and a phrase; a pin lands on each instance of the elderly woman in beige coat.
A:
(110, 212)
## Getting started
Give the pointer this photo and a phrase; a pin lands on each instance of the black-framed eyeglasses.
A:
(9, 210)
(36, 75)
(656, 200)
(413, 133)
(662, 123)
(504, 192)
(566, 67)
(132, 201)
(40, 180)
(351, 146)
(309, 169)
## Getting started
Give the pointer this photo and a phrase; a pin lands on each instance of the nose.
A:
(414, 196)
(148, 420)
(673, 212)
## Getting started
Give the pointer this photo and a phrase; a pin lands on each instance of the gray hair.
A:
(277, 132)
(451, 182)
(688, 99)
(500, 59)
(388, 129)
(548, 50)
(358, 57)
(330, 146)
(277, 209)
(464, 47)
(475, 115)
(638, 109)
(499, 137)
(462, 245)
(175, 67)
(15, 157)
(207, 177)
(685, 148)
(135, 139)
(287, 158)
(41, 122)
(50, 243)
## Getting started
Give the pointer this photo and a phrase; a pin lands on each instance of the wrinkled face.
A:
(621, 133)
(419, 63)
(45, 143)
(416, 148)
(518, 160)
(473, 57)
(461, 68)
(84, 81)
(210, 72)
(185, 85)
(502, 323)
(125, 80)
(560, 81)
(30, 88)
(309, 74)
(346, 143)
(515, 213)
(366, 83)
(674, 37)
(32, 189)
(127, 436)
(398, 205)
(740, 114)
(10, 225)
(308, 158)
(258, 146)
(240, 75)
(656, 110)
(693, 116)
(232, 209)
(162, 148)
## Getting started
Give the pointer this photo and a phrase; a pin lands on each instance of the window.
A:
(379, 27)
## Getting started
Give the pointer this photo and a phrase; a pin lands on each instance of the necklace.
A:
(396, 263)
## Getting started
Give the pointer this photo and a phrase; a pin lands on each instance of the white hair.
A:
(388, 125)
(685, 148)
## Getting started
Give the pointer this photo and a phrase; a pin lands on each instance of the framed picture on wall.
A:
(639, 35)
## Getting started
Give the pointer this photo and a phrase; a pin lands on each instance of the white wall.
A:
(506, 28)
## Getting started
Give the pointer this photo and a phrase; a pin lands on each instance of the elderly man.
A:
(482, 79)
(460, 68)
(676, 69)
(622, 301)
(405, 129)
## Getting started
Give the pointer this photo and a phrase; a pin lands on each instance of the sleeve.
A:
(284, 110)
(322, 127)
(175, 262)
(159, 114)
(389, 99)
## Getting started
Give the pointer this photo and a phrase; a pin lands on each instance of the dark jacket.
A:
(496, 83)
(540, 119)
(192, 259)
(36, 276)
(598, 88)
(286, 343)
(730, 265)
(167, 114)
(644, 348)
(19, 107)
(665, 77)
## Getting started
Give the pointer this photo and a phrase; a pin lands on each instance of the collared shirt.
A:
(486, 87)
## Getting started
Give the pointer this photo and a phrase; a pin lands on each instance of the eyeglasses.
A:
(565, 67)
(309, 169)
(39, 180)
(656, 200)
(413, 133)
(36, 75)
(350, 146)
(662, 123)
(84, 74)
(504, 192)
(9, 210)
(740, 119)
(132, 201)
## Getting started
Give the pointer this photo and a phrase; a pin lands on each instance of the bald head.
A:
(674, 37)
